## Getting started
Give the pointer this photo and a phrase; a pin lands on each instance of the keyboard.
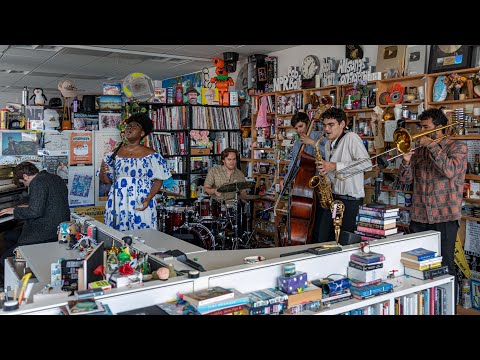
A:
(5, 218)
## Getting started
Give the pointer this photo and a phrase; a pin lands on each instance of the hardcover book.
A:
(367, 258)
(371, 289)
(207, 296)
(418, 254)
(238, 299)
(369, 230)
(83, 307)
(426, 274)
(382, 208)
(310, 293)
(420, 267)
(365, 267)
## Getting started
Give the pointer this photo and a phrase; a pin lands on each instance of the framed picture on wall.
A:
(109, 120)
(449, 57)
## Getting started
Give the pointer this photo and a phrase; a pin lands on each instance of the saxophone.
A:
(320, 183)
(323, 189)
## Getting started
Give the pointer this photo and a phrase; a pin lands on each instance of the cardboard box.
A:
(124, 280)
(199, 151)
(291, 284)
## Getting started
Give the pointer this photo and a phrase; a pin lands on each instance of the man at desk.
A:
(47, 207)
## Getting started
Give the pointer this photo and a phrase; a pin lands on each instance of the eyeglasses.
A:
(132, 126)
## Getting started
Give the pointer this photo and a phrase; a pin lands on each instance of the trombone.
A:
(404, 141)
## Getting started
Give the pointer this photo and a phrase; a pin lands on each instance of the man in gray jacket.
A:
(47, 208)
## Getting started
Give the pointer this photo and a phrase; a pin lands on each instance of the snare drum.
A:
(175, 218)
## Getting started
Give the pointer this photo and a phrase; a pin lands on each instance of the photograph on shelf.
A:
(210, 96)
(109, 102)
(84, 121)
(160, 95)
(109, 120)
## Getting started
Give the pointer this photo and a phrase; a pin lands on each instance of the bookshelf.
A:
(171, 137)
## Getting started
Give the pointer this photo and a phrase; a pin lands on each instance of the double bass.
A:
(302, 199)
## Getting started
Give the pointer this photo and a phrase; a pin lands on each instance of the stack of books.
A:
(269, 301)
(366, 267)
(366, 273)
(377, 222)
(218, 301)
(422, 264)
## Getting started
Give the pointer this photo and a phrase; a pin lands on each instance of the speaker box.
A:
(349, 238)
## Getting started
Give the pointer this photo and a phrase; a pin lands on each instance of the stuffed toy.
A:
(222, 81)
(39, 96)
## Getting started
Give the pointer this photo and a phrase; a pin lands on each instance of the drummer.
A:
(224, 174)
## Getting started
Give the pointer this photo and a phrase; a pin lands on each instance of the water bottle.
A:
(25, 96)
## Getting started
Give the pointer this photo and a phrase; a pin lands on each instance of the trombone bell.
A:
(404, 139)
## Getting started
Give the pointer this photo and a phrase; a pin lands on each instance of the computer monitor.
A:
(91, 262)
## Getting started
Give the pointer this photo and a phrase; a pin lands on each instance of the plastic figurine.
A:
(222, 82)
(65, 229)
(39, 96)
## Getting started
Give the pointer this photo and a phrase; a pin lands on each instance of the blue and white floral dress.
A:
(134, 180)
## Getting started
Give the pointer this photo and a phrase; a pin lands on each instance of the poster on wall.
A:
(81, 148)
(57, 165)
(194, 79)
(106, 142)
(81, 186)
(56, 143)
(19, 143)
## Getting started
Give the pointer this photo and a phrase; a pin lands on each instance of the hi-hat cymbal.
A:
(235, 186)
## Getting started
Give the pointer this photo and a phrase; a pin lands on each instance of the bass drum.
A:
(203, 236)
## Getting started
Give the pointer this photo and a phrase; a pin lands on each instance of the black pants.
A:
(448, 231)
(448, 235)
(324, 230)
(10, 239)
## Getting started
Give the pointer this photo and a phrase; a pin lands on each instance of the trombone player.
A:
(437, 171)
(342, 150)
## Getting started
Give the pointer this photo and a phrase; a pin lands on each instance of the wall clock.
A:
(449, 57)
(310, 66)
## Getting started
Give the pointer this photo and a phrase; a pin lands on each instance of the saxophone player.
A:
(341, 150)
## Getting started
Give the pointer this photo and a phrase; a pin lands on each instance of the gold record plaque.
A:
(449, 57)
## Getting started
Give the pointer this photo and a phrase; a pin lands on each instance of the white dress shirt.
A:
(349, 149)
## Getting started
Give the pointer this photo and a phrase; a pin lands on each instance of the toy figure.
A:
(222, 82)
(39, 96)
(65, 229)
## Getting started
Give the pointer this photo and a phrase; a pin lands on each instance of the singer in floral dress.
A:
(138, 172)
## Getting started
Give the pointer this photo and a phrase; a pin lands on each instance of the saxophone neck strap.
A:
(332, 149)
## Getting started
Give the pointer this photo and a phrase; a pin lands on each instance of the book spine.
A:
(376, 226)
(225, 311)
(223, 304)
(372, 220)
(267, 309)
(363, 260)
(373, 236)
(365, 267)
(371, 230)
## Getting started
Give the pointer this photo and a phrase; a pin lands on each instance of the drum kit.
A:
(209, 222)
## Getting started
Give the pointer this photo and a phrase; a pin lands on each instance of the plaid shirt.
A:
(438, 174)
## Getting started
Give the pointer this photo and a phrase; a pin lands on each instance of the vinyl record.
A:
(383, 98)
(242, 80)
(449, 48)
(395, 96)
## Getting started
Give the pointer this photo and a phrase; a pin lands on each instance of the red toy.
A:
(222, 82)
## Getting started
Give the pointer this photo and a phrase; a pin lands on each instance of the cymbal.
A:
(235, 186)
(248, 197)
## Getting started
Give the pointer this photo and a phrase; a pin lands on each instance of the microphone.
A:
(114, 154)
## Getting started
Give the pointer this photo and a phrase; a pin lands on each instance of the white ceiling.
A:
(44, 66)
